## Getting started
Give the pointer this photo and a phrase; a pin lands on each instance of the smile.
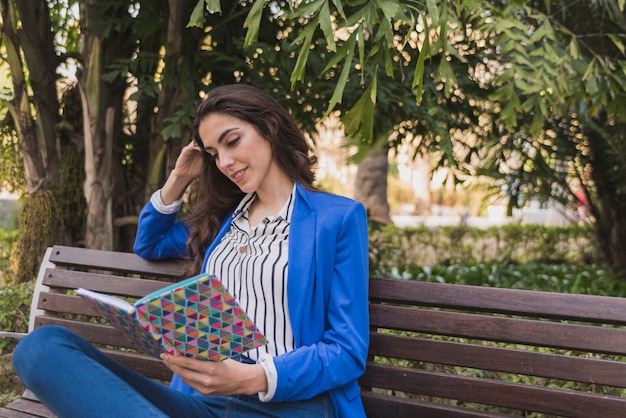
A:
(237, 175)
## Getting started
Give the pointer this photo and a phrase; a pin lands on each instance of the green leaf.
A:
(325, 24)
(391, 9)
(347, 51)
(359, 121)
(171, 131)
(591, 69)
(433, 11)
(536, 125)
(253, 21)
(214, 6)
(574, 49)
(342, 52)
(418, 76)
(618, 43)
(508, 115)
(361, 42)
(197, 16)
(298, 72)
(338, 4)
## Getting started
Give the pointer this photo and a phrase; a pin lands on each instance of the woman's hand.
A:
(189, 166)
(225, 378)
(190, 162)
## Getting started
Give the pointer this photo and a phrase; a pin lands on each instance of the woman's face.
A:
(244, 156)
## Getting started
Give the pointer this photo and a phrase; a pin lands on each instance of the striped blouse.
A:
(251, 262)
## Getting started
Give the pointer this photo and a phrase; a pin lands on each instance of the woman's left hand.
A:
(225, 378)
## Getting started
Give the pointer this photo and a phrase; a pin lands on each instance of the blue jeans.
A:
(74, 379)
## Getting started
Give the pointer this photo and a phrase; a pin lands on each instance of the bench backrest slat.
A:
(100, 282)
(495, 328)
(504, 394)
(497, 300)
(71, 257)
(508, 360)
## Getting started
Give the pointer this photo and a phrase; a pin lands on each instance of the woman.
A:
(295, 258)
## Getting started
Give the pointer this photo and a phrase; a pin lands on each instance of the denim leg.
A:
(249, 406)
(74, 379)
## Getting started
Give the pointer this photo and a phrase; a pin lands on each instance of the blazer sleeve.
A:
(159, 235)
(334, 360)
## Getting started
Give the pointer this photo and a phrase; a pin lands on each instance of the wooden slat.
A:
(379, 405)
(29, 395)
(63, 303)
(116, 285)
(507, 360)
(115, 261)
(147, 366)
(492, 328)
(23, 408)
(502, 394)
(601, 309)
(105, 335)
(92, 332)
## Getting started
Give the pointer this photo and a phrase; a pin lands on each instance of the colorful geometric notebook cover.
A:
(195, 318)
(123, 318)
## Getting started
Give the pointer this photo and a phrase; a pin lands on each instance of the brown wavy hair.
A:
(215, 196)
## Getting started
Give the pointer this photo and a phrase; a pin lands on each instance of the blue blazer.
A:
(327, 293)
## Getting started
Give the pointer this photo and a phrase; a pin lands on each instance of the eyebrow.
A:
(222, 136)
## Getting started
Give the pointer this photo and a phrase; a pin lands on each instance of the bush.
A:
(14, 310)
(393, 248)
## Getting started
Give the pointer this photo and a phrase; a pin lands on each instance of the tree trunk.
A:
(163, 153)
(102, 115)
(28, 43)
(40, 164)
(371, 185)
(41, 59)
(421, 185)
(608, 203)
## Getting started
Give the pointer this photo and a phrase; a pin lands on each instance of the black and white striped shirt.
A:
(252, 265)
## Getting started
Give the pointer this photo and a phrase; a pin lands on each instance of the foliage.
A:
(7, 240)
(544, 81)
(11, 165)
(411, 249)
(529, 92)
(14, 310)
(40, 224)
(563, 278)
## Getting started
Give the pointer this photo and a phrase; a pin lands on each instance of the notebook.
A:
(195, 318)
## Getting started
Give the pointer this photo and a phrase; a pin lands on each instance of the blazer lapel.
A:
(301, 260)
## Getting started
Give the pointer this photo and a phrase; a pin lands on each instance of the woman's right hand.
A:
(190, 162)
(189, 166)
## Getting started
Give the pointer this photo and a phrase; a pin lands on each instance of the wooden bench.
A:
(437, 350)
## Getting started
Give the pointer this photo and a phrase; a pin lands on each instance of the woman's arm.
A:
(158, 234)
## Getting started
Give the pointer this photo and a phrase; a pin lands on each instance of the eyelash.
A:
(231, 143)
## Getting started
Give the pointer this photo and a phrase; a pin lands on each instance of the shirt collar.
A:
(284, 213)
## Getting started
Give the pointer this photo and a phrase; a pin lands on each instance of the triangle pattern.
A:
(200, 319)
